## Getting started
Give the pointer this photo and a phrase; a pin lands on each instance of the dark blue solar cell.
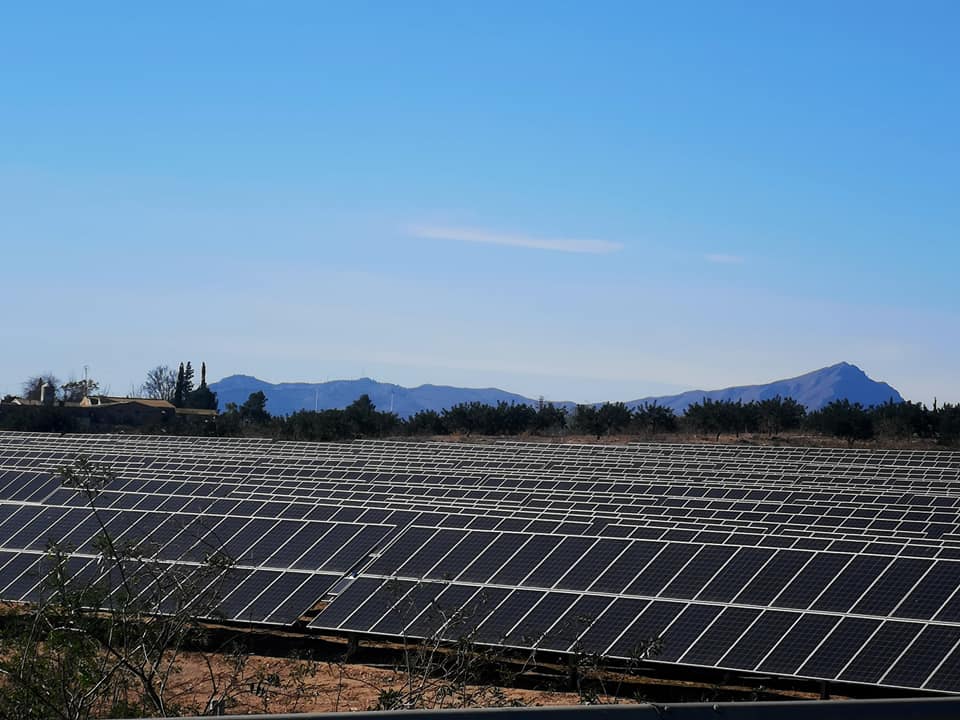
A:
(843, 643)
(66, 523)
(464, 623)
(586, 569)
(389, 595)
(268, 543)
(543, 616)
(173, 504)
(321, 512)
(732, 578)
(217, 507)
(484, 522)
(79, 574)
(7, 482)
(462, 555)
(147, 502)
(642, 638)
(320, 552)
(686, 629)
(947, 675)
(488, 562)
(565, 632)
(357, 550)
(556, 565)
(937, 595)
(165, 529)
(34, 533)
(275, 592)
(6, 510)
(526, 559)
(302, 598)
(33, 489)
(923, 657)
(419, 562)
(19, 575)
(346, 603)
(445, 609)
(233, 604)
(662, 568)
(512, 524)
(95, 528)
(877, 656)
(811, 581)
(792, 651)
(765, 632)
(201, 537)
(849, 585)
(305, 537)
(773, 577)
(890, 589)
(609, 626)
(616, 578)
(408, 606)
(15, 521)
(716, 641)
(698, 571)
(238, 546)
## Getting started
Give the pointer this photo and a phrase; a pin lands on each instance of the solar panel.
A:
(816, 563)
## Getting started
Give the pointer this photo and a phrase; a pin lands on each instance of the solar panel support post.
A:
(824, 690)
(216, 706)
(353, 645)
(573, 673)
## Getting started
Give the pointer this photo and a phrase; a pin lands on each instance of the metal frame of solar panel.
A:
(826, 564)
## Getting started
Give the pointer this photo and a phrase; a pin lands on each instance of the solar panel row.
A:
(808, 562)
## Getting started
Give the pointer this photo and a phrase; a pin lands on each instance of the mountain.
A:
(285, 398)
(815, 389)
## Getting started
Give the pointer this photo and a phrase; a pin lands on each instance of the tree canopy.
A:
(160, 384)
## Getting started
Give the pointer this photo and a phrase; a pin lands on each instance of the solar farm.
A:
(811, 564)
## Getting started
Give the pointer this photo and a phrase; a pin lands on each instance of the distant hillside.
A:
(285, 398)
(814, 390)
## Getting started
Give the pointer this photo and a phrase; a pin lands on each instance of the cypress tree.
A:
(203, 398)
(178, 393)
(187, 379)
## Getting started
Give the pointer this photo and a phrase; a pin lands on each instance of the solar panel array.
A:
(827, 564)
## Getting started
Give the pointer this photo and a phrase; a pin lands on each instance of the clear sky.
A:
(581, 200)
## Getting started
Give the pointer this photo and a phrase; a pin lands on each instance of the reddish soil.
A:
(265, 684)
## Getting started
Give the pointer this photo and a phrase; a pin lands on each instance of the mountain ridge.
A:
(813, 389)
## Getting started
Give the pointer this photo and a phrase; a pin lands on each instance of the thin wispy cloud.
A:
(722, 259)
(477, 235)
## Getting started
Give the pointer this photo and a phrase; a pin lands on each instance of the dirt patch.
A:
(258, 684)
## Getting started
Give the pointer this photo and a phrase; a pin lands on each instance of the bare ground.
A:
(276, 685)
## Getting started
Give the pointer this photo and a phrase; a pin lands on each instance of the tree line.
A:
(840, 419)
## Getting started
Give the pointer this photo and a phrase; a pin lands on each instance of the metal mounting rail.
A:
(899, 708)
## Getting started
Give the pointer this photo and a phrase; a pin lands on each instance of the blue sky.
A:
(584, 201)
